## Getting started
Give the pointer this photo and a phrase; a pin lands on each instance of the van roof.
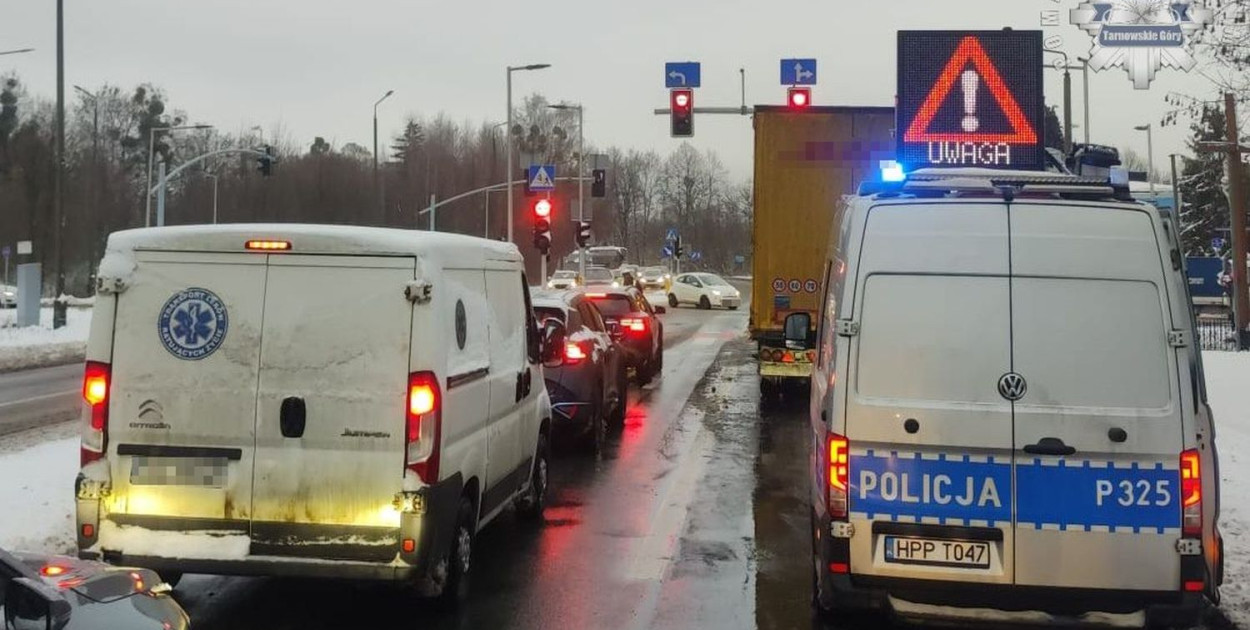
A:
(1009, 184)
(316, 239)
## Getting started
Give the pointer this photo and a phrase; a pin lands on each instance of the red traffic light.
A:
(682, 99)
(542, 208)
(799, 97)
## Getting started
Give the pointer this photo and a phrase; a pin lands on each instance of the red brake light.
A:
(596, 295)
(266, 245)
(52, 570)
(635, 324)
(573, 353)
(839, 474)
(424, 425)
(96, 384)
(1191, 493)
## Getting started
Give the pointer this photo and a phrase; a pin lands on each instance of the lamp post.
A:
(376, 190)
(58, 192)
(581, 184)
(508, 135)
(214, 196)
(147, 221)
(1085, 89)
(1150, 154)
(1067, 102)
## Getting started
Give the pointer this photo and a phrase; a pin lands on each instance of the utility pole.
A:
(1241, 301)
(58, 192)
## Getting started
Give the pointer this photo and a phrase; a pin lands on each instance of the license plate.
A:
(178, 471)
(937, 552)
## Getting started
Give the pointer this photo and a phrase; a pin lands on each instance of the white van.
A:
(308, 400)
(1008, 412)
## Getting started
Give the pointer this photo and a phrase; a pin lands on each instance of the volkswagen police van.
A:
(1009, 416)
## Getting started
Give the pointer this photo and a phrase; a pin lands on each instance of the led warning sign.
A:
(970, 99)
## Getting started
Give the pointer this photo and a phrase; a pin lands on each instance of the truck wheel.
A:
(705, 303)
(459, 559)
(531, 505)
(672, 300)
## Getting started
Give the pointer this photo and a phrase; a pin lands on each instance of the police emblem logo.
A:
(192, 324)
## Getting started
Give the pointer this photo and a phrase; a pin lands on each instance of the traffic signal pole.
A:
(581, 192)
(1237, 194)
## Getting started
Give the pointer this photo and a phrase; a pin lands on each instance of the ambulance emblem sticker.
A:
(192, 324)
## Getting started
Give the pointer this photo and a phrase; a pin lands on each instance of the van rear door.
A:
(186, 353)
(1098, 429)
(330, 423)
(930, 438)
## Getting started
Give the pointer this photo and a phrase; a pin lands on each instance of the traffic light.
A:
(265, 162)
(542, 225)
(677, 249)
(799, 97)
(599, 183)
(681, 102)
(583, 234)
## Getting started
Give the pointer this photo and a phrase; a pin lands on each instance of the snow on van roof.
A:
(315, 239)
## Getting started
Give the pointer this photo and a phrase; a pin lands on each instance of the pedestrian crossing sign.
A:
(542, 177)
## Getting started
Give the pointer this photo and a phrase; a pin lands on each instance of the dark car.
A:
(641, 333)
(40, 592)
(588, 385)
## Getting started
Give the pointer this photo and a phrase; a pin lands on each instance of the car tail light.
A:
(788, 357)
(1191, 493)
(96, 384)
(424, 426)
(573, 354)
(839, 474)
(635, 324)
(266, 245)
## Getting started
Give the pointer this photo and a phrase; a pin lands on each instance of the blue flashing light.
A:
(892, 171)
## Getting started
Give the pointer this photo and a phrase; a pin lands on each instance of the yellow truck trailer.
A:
(806, 160)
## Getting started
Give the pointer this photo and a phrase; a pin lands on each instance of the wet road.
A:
(37, 397)
(694, 517)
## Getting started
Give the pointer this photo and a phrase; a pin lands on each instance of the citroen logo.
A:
(1012, 386)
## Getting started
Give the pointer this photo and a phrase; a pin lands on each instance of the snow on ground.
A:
(1228, 375)
(37, 469)
(38, 346)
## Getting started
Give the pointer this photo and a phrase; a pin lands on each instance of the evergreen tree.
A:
(408, 143)
(1204, 204)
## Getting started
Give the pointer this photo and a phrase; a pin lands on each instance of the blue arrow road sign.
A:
(679, 74)
(696, 256)
(542, 177)
(672, 234)
(666, 252)
(798, 72)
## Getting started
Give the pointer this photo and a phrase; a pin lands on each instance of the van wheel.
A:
(672, 300)
(705, 303)
(531, 505)
(459, 560)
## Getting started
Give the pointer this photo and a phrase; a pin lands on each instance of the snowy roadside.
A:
(1228, 374)
(40, 346)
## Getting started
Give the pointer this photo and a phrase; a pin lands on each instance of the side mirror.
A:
(796, 329)
(552, 351)
(30, 604)
(660, 310)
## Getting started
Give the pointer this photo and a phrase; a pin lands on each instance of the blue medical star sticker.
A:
(191, 324)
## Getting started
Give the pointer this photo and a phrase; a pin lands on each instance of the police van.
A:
(307, 400)
(1009, 417)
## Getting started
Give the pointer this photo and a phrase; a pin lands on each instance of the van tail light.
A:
(635, 324)
(1191, 493)
(424, 426)
(838, 449)
(268, 245)
(573, 353)
(96, 384)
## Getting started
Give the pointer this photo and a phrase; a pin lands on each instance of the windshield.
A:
(712, 281)
(652, 272)
(598, 274)
(564, 275)
(614, 306)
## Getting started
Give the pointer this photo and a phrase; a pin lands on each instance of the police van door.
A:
(929, 437)
(1098, 432)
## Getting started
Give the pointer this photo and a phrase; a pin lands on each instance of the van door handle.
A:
(293, 417)
(1050, 446)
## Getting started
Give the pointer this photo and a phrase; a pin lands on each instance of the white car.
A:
(704, 290)
(1008, 409)
(563, 280)
(8, 296)
(237, 422)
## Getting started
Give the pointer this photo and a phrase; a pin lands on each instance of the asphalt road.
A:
(37, 397)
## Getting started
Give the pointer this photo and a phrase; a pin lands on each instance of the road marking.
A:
(39, 398)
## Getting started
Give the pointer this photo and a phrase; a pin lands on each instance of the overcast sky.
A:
(315, 67)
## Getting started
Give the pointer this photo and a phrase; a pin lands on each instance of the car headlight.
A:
(615, 284)
(716, 293)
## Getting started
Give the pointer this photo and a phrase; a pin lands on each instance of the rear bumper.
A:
(786, 370)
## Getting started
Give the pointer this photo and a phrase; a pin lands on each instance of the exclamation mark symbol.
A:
(971, 81)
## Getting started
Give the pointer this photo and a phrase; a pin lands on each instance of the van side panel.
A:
(335, 347)
(162, 402)
(1091, 317)
(508, 365)
(467, 381)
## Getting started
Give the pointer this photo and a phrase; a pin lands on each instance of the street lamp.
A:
(581, 187)
(375, 142)
(1150, 154)
(147, 221)
(1085, 90)
(508, 135)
